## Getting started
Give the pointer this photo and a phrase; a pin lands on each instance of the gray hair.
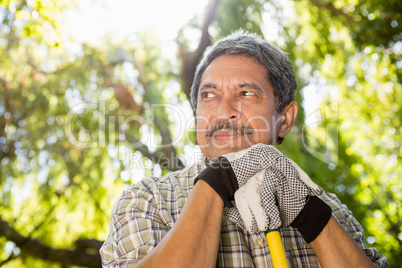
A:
(280, 72)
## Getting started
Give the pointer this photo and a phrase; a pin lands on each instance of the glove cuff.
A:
(312, 218)
(220, 176)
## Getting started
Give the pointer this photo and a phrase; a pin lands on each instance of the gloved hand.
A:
(282, 195)
(231, 171)
(249, 213)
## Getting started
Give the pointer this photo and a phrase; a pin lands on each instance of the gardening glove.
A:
(249, 213)
(231, 171)
(281, 196)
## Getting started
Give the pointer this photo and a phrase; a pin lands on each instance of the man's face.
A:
(236, 107)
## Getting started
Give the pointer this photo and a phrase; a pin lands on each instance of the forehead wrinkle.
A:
(207, 86)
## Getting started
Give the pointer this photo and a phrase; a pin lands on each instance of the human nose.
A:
(226, 110)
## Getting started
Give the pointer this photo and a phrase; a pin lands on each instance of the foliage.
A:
(80, 122)
(361, 64)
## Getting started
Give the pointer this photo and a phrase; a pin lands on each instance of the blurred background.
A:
(94, 95)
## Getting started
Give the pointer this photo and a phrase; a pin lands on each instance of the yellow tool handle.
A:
(276, 248)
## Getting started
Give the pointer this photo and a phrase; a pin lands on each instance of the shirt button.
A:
(260, 241)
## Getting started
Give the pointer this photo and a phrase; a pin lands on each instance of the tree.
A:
(357, 43)
(73, 118)
(79, 122)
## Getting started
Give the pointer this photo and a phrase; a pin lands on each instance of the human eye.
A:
(247, 93)
(207, 94)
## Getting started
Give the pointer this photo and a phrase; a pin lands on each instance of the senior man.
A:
(243, 94)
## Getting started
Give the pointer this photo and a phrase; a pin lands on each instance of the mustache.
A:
(228, 125)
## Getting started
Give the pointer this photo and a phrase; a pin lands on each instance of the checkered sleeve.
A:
(345, 217)
(139, 221)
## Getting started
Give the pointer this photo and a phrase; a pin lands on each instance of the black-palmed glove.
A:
(281, 195)
(231, 171)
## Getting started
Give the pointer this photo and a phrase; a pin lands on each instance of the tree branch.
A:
(334, 10)
(34, 248)
(84, 244)
(167, 156)
(190, 59)
(205, 38)
(124, 96)
(170, 155)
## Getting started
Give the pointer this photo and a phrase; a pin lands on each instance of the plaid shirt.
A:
(147, 210)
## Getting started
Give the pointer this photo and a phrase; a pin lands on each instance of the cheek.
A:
(258, 121)
(262, 126)
(202, 118)
(202, 123)
(201, 126)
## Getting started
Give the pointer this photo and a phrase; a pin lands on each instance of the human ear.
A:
(289, 117)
